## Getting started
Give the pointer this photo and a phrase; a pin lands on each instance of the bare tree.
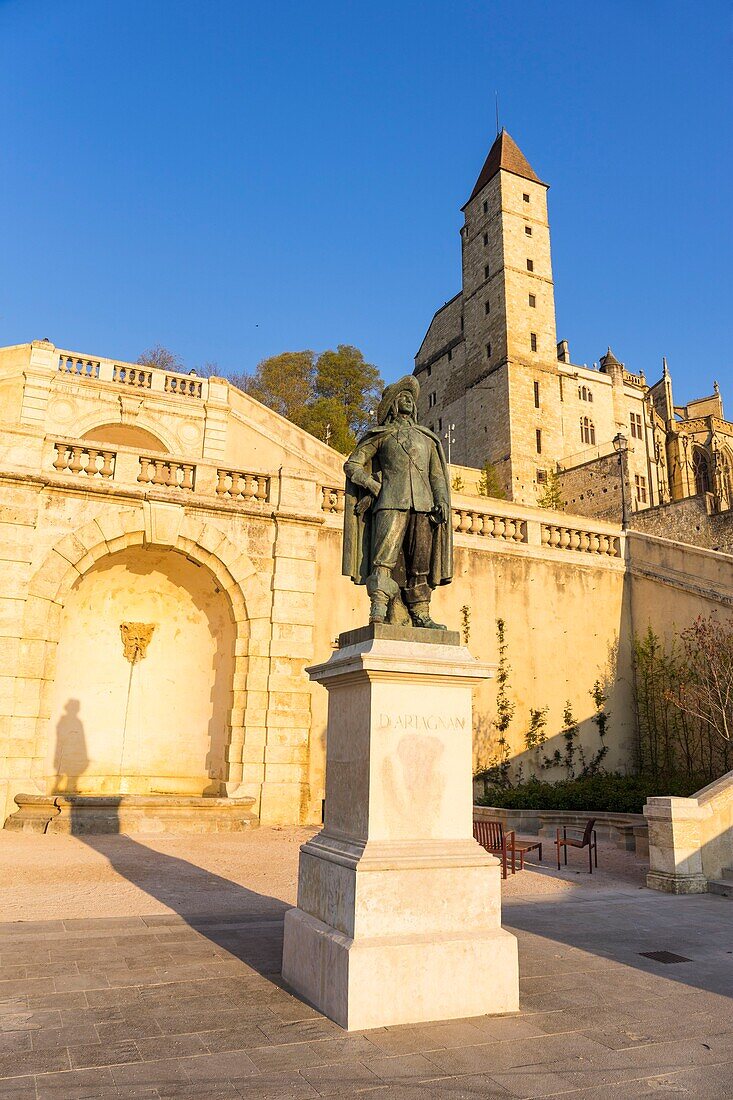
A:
(705, 691)
(160, 358)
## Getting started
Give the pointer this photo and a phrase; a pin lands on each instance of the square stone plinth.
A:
(399, 909)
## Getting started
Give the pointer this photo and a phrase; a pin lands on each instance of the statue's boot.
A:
(420, 615)
(382, 589)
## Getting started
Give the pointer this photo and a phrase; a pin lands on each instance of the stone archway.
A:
(144, 679)
(115, 529)
(126, 435)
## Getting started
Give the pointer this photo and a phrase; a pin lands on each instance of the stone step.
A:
(721, 886)
(130, 813)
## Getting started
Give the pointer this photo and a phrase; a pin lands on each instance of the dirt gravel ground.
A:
(64, 877)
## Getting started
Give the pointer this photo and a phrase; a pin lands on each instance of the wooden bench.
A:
(492, 837)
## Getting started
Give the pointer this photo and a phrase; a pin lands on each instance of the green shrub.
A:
(614, 793)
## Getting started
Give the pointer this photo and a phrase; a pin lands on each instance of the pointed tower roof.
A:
(504, 154)
(609, 360)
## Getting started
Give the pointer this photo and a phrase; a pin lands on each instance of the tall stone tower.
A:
(489, 362)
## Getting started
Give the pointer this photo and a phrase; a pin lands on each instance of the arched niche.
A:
(152, 722)
(125, 435)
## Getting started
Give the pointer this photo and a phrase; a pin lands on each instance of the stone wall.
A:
(230, 548)
(689, 521)
(594, 488)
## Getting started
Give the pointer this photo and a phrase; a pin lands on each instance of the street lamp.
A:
(449, 438)
(621, 445)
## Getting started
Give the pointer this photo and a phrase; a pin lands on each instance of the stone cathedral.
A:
(171, 549)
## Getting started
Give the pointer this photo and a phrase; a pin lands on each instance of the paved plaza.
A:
(149, 967)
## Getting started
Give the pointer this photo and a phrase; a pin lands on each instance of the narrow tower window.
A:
(533, 341)
(487, 307)
(486, 206)
(488, 351)
(432, 400)
(486, 238)
(528, 230)
(538, 440)
(530, 265)
(532, 301)
(537, 395)
(486, 272)
(525, 196)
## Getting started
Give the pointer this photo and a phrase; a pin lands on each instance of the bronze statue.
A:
(398, 536)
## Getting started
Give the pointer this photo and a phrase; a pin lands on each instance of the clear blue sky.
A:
(235, 179)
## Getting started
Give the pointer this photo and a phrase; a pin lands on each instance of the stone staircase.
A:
(722, 885)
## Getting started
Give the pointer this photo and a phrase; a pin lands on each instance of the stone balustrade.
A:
(583, 540)
(170, 473)
(489, 525)
(503, 524)
(139, 377)
(81, 458)
(78, 367)
(186, 387)
(332, 500)
(126, 465)
(238, 485)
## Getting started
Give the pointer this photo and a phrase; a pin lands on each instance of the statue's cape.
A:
(357, 551)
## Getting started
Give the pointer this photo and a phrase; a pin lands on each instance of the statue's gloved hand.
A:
(442, 512)
(363, 505)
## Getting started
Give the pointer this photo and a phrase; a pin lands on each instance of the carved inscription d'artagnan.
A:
(421, 722)
(136, 639)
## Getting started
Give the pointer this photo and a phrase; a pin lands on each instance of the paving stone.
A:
(170, 1046)
(48, 1039)
(80, 980)
(18, 1088)
(350, 1048)
(35, 1061)
(241, 1038)
(300, 1031)
(283, 1057)
(104, 1054)
(27, 1020)
(397, 1040)
(13, 1042)
(25, 987)
(400, 1066)
(74, 1084)
(21, 929)
(487, 1058)
(219, 1067)
(154, 1075)
(137, 1027)
(340, 1080)
(57, 1000)
(275, 1087)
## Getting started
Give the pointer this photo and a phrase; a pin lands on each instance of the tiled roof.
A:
(504, 154)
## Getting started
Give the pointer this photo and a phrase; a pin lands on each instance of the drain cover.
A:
(664, 957)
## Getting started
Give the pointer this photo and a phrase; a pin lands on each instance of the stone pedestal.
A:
(399, 909)
(675, 845)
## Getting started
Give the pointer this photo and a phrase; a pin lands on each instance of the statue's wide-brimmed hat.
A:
(391, 393)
